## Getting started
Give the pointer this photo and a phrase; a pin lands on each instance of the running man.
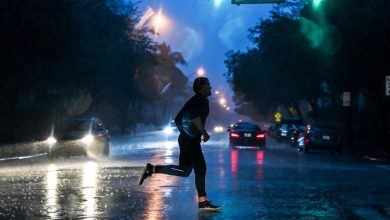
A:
(190, 121)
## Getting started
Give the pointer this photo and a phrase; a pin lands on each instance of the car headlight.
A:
(218, 129)
(168, 130)
(51, 140)
(87, 139)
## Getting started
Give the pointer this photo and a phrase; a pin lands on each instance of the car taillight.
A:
(260, 136)
(234, 135)
(307, 140)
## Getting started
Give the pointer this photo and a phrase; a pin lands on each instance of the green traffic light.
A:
(316, 3)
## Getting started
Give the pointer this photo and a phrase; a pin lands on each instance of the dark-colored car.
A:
(246, 134)
(79, 136)
(322, 137)
(298, 131)
(286, 128)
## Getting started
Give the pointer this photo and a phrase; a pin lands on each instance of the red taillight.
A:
(307, 140)
(260, 136)
(234, 135)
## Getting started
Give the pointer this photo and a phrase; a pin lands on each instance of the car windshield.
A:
(246, 126)
(285, 126)
(77, 126)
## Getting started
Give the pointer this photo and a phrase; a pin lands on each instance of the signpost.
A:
(346, 99)
(387, 84)
(238, 2)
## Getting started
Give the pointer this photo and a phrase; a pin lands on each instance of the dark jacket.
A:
(197, 106)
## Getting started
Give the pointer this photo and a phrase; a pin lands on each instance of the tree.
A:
(281, 70)
(56, 53)
(29, 44)
(330, 47)
(154, 77)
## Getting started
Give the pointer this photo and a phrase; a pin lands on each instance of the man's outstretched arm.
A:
(198, 124)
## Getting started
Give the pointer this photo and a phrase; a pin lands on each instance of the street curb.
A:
(377, 159)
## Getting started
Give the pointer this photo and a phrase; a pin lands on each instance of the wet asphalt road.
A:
(273, 183)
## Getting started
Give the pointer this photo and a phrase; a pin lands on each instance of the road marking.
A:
(21, 157)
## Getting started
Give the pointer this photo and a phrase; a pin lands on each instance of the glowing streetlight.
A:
(316, 3)
(159, 21)
(200, 71)
(222, 101)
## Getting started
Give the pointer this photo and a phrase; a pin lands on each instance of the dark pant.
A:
(191, 157)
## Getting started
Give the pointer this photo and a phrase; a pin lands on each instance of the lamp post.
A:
(222, 100)
(199, 72)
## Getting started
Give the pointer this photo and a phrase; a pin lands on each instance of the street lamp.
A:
(222, 101)
(159, 21)
(200, 71)
(317, 2)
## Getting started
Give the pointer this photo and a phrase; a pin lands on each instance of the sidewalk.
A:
(377, 157)
(370, 153)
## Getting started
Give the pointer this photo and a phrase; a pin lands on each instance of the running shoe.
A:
(208, 206)
(147, 172)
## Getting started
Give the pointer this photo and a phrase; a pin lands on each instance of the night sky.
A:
(203, 31)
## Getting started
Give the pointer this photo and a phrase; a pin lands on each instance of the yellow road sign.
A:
(278, 117)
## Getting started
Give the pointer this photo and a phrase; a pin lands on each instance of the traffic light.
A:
(237, 2)
(316, 3)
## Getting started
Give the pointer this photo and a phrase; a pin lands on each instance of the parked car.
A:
(284, 131)
(244, 134)
(286, 128)
(79, 136)
(298, 131)
(322, 137)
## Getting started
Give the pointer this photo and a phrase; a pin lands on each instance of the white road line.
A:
(21, 157)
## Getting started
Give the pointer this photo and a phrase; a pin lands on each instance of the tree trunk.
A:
(11, 137)
(314, 110)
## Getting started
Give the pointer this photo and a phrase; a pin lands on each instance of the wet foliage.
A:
(65, 58)
(303, 60)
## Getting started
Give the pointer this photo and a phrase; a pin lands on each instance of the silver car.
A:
(79, 136)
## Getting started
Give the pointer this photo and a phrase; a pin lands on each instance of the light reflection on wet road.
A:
(272, 183)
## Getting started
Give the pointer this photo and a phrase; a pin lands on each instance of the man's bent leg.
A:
(174, 170)
(185, 160)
